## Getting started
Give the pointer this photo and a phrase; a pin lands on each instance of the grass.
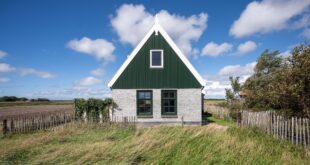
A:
(213, 101)
(89, 144)
(23, 103)
(221, 122)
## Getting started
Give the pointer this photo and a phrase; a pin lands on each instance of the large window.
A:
(144, 103)
(156, 58)
(169, 102)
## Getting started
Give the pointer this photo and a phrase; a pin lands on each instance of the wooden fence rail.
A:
(293, 129)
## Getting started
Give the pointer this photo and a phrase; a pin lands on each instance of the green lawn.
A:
(89, 144)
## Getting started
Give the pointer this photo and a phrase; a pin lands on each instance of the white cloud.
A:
(88, 81)
(4, 79)
(101, 49)
(3, 54)
(285, 54)
(236, 70)
(98, 72)
(132, 22)
(6, 67)
(246, 47)
(213, 49)
(266, 16)
(31, 71)
(215, 87)
(71, 93)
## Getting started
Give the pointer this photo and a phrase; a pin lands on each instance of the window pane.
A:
(166, 109)
(147, 95)
(166, 95)
(156, 58)
(171, 109)
(147, 102)
(141, 95)
(166, 102)
(171, 103)
(141, 103)
(147, 109)
(171, 94)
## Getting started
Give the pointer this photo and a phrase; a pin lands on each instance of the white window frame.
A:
(162, 58)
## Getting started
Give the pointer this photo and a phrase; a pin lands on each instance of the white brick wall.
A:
(188, 105)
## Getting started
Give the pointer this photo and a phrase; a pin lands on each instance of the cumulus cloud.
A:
(98, 72)
(235, 70)
(71, 93)
(101, 49)
(212, 49)
(88, 81)
(215, 86)
(38, 73)
(132, 22)
(246, 47)
(4, 79)
(3, 54)
(6, 67)
(267, 15)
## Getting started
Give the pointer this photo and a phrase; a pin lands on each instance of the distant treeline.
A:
(14, 98)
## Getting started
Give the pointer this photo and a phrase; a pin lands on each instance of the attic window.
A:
(156, 58)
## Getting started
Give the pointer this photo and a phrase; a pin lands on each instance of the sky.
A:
(68, 49)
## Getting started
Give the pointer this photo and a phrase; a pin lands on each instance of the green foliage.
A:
(12, 99)
(92, 107)
(281, 83)
(232, 94)
(229, 94)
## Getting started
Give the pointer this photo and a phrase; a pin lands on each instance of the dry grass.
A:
(91, 144)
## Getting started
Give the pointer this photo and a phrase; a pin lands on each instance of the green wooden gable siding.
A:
(138, 73)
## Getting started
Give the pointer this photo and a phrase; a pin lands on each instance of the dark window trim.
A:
(137, 104)
(165, 115)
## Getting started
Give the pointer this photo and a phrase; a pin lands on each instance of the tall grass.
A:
(91, 144)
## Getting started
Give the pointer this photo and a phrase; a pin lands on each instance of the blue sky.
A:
(66, 49)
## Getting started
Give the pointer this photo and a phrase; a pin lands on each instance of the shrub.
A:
(92, 107)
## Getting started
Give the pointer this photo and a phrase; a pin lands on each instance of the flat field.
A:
(30, 109)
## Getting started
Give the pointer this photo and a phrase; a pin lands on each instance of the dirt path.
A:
(23, 110)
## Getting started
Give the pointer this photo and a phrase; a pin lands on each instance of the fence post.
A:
(5, 126)
(100, 117)
(12, 126)
(85, 116)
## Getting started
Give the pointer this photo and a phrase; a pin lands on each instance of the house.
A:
(157, 84)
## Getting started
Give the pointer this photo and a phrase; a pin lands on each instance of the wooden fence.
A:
(36, 121)
(44, 121)
(293, 129)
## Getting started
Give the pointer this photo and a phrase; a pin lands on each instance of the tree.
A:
(281, 83)
(233, 94)
(229, 94)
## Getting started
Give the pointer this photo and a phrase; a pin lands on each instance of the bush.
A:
(92, 107)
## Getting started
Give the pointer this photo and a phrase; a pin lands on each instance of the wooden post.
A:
(5, 126)
(182, 121)
(304, 132)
